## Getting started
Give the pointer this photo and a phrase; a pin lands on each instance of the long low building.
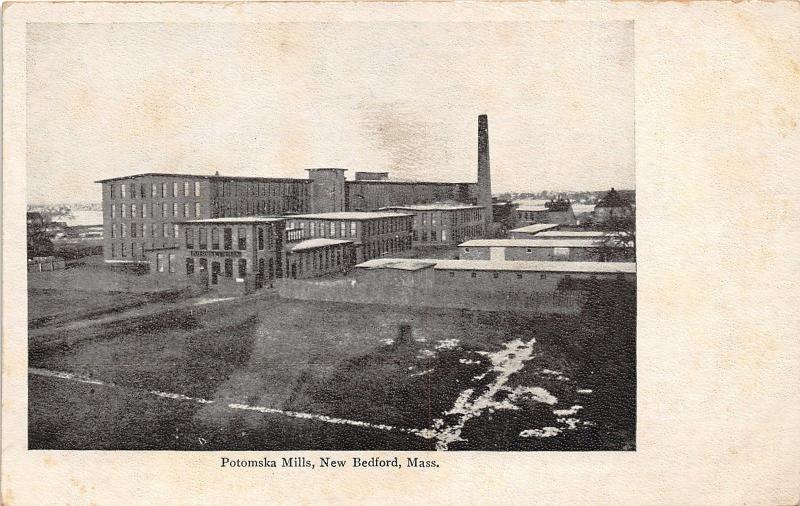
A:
(443, 223)
(574, 250)
(531, 230)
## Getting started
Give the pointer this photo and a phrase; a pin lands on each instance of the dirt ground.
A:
(269, 373)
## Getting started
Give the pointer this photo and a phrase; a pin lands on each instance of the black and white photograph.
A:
(331, 236)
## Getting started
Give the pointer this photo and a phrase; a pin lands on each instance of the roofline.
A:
(314, 216)
(202, 176)
(374, 181)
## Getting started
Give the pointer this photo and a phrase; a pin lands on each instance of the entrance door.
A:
(215, 270)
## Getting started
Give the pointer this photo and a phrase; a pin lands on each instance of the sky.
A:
(106, 100)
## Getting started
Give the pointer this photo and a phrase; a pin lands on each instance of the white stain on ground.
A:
(468, 361)
(204, 301)
(541, 433)
(569, 411)
(423, 354)
(387, 341)
(467, 406)
(556, 374)
(420, 373)
(446, 344)
(584, 391)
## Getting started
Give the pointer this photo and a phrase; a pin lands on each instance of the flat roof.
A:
(532, 208)
(536, 227)
(434, 207)
(389, 181)
(574, 233)
(404, 264)
(238, 219)
(201, 176)
(317, 243)
(348, 215)
(537, 266)
(533, 243)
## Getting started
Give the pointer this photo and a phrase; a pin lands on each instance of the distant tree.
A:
(621, 239)
(39, 243)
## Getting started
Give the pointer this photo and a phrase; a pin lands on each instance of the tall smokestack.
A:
(484, 173)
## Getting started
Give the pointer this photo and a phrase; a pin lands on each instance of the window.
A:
(144, 210)
(113, 231)
(519, 276)
(197, 188)
(174, 209)
(123, 208)
(333, 229)
(242, 236)
(171, 259)
(133, 196)
(163, 209)
(165, 230)
(197, 209)
(142, 191)
(113, 210)
(174, 189)
(227, 238)
(343, 229)
(163, 190)
(452, 274)
(154, 190)
(313, 229)
(175, 232)
(352, 229)
(189, 266)
(228, 266)
(214, 238)
(153, 230)
(133, 210)
(260, 238)
(466, 250)
(186, 188)
(495, 275)
(189, 238)
(203, 265)
(542, 276)
(203, 238)
(160, 262)
(473, 275)
(123, 229)
(122, 192)
(113, 251)
(111, 190)
(528, 250)
(133, 229)
(242, 267)
(444, 235)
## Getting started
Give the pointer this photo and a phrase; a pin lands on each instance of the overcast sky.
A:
(107, 100)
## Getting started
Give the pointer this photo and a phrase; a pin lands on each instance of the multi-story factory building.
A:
(443, 224)
(373, 233)
(143, 212)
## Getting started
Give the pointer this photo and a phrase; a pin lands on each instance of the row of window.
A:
(265, 238)
(496, 275)
(215, 267)
(267, 189)
(315, 261)
(144, 230)
(394, 245)
(163, 190)
(148, 210)
(240, 207)
(342, 229)
(121, 250)
(432, 236)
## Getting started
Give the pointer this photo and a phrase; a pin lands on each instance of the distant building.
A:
(442, 223)
(372, 176)
(527, 232)
(557, 212)
(612, 206)
(565, 250)
(373, 233)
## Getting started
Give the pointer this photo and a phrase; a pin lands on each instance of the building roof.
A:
(527, 207)
(201, 176)
(574, 234)
(317, 243)
(404, 264)
(533, 243)
(395, 181)
(535, 228)
(238, 219)
(537, 266)
(349, 215)
(435, 206)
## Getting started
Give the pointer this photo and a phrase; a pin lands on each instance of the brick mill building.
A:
(443, 224)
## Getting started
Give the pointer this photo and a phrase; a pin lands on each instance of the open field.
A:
(269, 373)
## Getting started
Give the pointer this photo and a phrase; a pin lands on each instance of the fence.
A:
(45, 264)
(350, 290)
